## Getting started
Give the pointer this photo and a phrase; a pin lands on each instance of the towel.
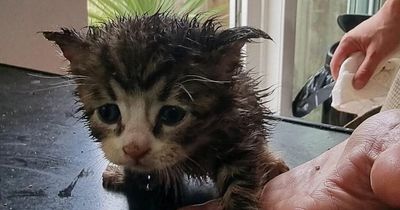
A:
(347, 99)
(392, 100)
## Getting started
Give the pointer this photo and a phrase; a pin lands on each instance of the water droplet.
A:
(148, 183)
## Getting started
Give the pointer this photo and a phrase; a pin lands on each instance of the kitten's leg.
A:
(275, 167)
(239, 195)
(242, 181)
(114, 177)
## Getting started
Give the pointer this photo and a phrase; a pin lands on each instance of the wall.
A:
(21, 45)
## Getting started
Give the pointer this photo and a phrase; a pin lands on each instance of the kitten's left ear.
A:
(233, 39)
(70, 42)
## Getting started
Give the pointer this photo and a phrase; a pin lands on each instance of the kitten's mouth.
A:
(132, 163)
(140, 165)
(145, 165)
(141, 168)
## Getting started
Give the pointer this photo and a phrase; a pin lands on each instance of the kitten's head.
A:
(150, 85)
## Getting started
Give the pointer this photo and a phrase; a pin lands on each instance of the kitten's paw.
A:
(114, 178)
(281, 167)
(276, 168)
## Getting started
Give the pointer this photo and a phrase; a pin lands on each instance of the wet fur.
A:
(226, 136)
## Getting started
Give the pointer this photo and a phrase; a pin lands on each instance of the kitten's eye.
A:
(171, 115)
(109, 113)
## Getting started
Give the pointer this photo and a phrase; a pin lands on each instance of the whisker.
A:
(167, 178)
(68, 81)
(98, 163)
(60, 86)
(60, 83)
(57, 77)
(45, 77)
(195, 162)
(203, 79)
(175, 177)
(76, 76)
(187, 92)
(92, 150)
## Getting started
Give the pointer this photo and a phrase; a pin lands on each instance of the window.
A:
(303, 31)
(316, 32)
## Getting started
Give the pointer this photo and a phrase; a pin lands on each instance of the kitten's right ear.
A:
(233, 39)
(70, 42)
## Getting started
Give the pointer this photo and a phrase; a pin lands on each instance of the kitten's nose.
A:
(136, 151)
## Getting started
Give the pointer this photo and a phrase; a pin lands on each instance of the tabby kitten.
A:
(167, 96)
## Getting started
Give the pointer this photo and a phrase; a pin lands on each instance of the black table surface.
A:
(48, 161)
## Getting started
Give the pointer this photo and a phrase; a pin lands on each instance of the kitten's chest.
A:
(205, 163)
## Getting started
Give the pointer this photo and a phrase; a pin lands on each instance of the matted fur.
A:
(163, 59)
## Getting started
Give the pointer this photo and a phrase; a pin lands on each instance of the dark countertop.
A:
(44, 149)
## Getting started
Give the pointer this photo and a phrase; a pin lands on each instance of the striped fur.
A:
(144, 63)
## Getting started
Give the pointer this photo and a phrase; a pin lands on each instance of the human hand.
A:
(377, 37)
(361, 173)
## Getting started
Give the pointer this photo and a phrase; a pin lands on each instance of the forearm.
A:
(391, 10)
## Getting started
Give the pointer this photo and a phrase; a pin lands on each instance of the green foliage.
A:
(101, 11)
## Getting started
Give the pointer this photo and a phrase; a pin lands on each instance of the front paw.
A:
(114, 178)
(275, 168)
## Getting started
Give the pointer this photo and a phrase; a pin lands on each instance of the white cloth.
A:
(347, 99)
(393, 98)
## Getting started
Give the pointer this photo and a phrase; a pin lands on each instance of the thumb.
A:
(385, 176)
(366, 70)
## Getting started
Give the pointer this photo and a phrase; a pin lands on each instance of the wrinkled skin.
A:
(363, 172)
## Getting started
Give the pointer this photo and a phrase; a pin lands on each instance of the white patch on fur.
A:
(162, 155)
(139, 112)
(113, 151)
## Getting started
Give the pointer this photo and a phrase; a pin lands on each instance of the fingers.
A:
(385, 176)
(377, 133)
(385, 172)
(366, 69)
(344, 49)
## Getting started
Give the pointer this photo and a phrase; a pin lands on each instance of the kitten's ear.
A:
(233, 39)
(70, 42)
(231, 42)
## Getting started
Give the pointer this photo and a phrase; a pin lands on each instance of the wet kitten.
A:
(168, 96)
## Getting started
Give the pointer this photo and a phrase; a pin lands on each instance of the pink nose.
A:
(135, 151)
